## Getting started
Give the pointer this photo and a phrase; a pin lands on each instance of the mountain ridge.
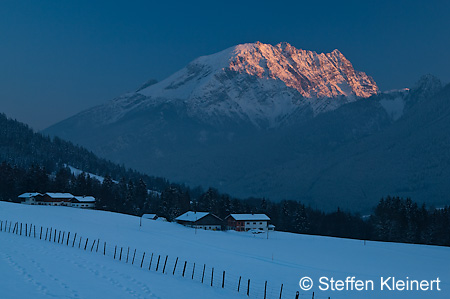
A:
(257, 83)
(249, 145)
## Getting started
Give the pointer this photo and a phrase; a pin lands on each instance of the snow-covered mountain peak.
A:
(255, 82)
(313, 75)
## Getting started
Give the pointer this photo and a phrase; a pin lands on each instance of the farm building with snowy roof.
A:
(57, 199)
(246, 222)
(201, 220)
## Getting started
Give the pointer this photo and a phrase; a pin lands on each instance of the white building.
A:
(83, 202)
(246, 222)
(57, 199)
(30, 198)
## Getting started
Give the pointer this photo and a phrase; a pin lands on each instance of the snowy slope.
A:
(39, 269)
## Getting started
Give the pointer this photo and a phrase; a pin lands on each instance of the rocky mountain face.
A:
(256, 83)
(273, 121)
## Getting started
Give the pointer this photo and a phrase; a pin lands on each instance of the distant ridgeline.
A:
(30, 161)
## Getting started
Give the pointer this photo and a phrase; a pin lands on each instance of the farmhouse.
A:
(83, 202)
(246, 222)
(57, 199)
(202, 220)
(30, 198)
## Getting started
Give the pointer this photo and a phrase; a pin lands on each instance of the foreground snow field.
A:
(33, 268)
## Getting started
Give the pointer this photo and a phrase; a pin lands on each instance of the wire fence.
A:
(159, 262)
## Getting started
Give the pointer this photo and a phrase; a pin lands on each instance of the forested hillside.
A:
(21, 146)
(30, 162)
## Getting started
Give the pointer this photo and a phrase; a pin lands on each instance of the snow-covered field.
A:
(33, 268)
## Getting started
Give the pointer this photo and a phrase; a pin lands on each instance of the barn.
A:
(85, 202)
(200, 220)
(57, 199)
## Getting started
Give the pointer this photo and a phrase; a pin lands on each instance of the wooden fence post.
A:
(175, 267)
(281, 290)
(104, 248)
(26, 229)
(223, 280)
(68, 236)
(193, 270)
(9, 230)
(120, 255)
(143, 256)
(54, 236)
(150, 264)
(34, 231)
(265, 289)
(203, 275)
(85, 245)
(128, 253)
(74, 238)
(98, 241)
(296, 295)
(59, 236)
(92, 247)
(313, 296)
(46, 233)
(20, 228)
(248, 288)
(115, 249)
(50, 234)
(239, 283)
(40, 235)
(62, 239)
(134, 254)
(165, 262)
(184, 269)
(212, 275)
(157, 264)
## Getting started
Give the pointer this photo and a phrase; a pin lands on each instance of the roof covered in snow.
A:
(150, 216)
(85, 198)
(250, 217)
(191, 216)
(59, 195)
(28, 195)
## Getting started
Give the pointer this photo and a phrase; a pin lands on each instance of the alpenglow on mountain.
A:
(275, 121)
(257, 83)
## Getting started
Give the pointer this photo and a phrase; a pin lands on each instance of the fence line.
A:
(165, 265)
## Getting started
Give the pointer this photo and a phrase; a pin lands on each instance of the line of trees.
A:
(394, 219)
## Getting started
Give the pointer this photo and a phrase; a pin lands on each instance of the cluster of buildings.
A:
(238, 222)
(200, 220)
(57, 199)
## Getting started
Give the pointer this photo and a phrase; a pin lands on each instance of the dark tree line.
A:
(37, 163)
(394, 219)
(22, 147)
(401, 220)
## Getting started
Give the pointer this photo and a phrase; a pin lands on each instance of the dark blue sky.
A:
(60, 57)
